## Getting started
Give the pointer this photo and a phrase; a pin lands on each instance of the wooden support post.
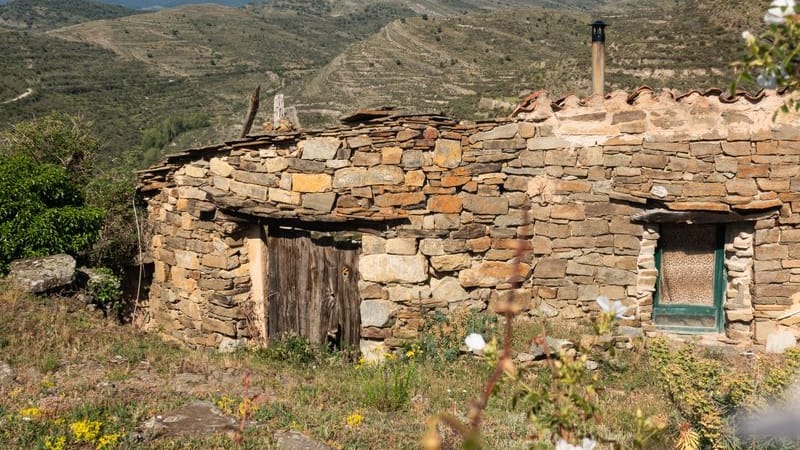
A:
(252, 110)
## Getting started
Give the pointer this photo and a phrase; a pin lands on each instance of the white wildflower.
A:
(767, 80)
(586, 444)
(475, 342)
(779, 9)
(616, 308)
(748, 37)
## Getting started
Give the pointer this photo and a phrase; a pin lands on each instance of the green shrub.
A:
(388, 385)
(105, 288)
(116, 246)
(58, 139)
(42, 211)
(291, 348)
(708, 393)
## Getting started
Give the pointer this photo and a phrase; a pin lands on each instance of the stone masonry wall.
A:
(443, 202)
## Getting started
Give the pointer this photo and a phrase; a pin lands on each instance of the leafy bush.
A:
(708, 394)
(59, 154)
(42, 211)
(116, 245)
(58, 139)
(105, 288)
(772, 59)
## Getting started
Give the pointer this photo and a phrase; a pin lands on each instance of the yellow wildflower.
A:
(247, 407)
(226, 404)
(58, 443)
(108, 441)
(30, 413)
(354, 419)
(85, 430)
(361, 363)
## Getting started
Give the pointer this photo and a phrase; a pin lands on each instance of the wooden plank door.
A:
(313, 288)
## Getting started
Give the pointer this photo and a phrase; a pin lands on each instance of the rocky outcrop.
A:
(38, 275)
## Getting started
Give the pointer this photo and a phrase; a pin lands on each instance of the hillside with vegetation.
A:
(158, 4)
(49, 14)
(470, 58)
(477, 65)
(122, 98)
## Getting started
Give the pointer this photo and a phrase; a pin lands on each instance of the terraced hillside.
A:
(207, 39)
(49, 14)
(120, 97)
(470, 58)
(465, 65)
(157, 4)
(431, 8)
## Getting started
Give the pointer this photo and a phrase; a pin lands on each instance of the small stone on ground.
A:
(196, 419)
(780, 340)
(292, 440)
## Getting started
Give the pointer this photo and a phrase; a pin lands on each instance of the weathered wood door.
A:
(313, 287)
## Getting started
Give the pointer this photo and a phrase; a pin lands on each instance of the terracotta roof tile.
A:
(528, 104)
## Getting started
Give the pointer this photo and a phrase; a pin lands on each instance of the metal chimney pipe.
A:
(598, 57)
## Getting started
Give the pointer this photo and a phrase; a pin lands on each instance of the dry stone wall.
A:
(444, 204)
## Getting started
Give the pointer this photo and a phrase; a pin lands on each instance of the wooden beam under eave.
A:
(699, 217)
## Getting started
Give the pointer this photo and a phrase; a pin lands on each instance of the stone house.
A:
(684, 207)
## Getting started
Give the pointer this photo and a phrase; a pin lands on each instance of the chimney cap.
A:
(598, 31)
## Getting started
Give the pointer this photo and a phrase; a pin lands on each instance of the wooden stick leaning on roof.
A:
(252, 110)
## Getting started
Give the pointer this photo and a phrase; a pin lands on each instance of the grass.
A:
(113, 374)
(73, 365)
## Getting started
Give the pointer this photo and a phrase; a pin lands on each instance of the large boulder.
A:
(36, 275)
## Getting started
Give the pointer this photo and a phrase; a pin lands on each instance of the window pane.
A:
(687, 264)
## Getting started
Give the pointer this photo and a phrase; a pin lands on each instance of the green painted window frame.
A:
(716, 311)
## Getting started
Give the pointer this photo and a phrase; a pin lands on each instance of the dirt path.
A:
(27, 93)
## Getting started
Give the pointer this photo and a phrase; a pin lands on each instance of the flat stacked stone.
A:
(447, 205)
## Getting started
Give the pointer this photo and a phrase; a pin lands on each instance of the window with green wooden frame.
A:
(691, 278)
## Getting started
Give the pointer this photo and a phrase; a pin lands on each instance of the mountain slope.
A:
(199, 40)
(158, 4)
(465, 65)
(120, 97)
(49, 14)
(469, 58)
